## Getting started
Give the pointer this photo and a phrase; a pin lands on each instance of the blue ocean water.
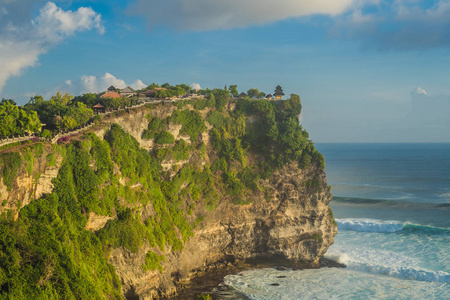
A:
(392, 206)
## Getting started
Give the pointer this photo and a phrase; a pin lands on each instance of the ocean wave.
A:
(445, 195)
(388, 264)
(392, 203)
(389, 226)
(369, 225)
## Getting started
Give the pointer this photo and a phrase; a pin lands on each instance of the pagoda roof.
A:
(268, 96)
(127, 90)
(110, 95)
(98, 105)
(278, 91)
(242, 95)
(112, 88)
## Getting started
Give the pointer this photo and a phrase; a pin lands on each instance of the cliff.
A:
(148, 199)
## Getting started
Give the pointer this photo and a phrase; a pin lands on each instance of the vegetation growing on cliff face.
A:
(11, 163)
(149, 205)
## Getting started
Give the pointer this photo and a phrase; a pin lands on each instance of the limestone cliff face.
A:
(28, 186)
(295, 224)
(291, 220)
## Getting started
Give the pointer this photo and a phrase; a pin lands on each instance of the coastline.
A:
(212, 281)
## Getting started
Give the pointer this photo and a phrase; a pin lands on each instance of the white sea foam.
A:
(330, 283)
(445, 195)
(385, 263)
(369, 225)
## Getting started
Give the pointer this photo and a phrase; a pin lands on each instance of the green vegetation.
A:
(29, 158)
(191, 121)
(68, 262)
(17, 121)
(313, 185)
(317, 236)
(127, 231)
(277, 134)
(164, 137)
(61, 112)
(51, 159)
(153, 262)
(216, 118)
(115, 177)
(332, 216)
(155, 126)
(11, 163)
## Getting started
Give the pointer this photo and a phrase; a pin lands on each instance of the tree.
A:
(292, 106)
(8, 100)
(68, 123)
(233, 90)
(80, 113)
(61, 99)
(89, 99)
(161, 94)
(14, 120)
(36, 100)
(211, 102)
(253, 93)
(185, 87)
(221, 97)
(152, 86)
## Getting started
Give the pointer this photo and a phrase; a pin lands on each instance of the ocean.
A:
(392, 206)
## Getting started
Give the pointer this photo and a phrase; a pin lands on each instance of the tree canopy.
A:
(14, 120)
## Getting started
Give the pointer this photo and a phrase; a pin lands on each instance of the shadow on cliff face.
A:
(131, 294)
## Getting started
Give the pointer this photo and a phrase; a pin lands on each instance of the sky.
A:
(366, 70)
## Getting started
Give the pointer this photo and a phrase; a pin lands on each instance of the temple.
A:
(278, 93)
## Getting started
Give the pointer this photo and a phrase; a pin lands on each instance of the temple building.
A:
(127, 92)
(98, 108)
(278, 93)
(242, 95)
(112, 89)
(110, 95)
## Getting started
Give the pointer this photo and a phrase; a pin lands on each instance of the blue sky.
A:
(366, 70)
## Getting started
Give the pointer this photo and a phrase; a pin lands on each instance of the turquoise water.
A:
(392, 206)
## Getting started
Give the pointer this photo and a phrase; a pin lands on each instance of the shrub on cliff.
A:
(191, 121)
(164, 137)
(11, 163)
(276, 134)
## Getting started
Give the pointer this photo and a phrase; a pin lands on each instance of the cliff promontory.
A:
(150, 198)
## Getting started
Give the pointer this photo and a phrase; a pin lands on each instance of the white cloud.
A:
(138, 85)
(218, 14)
(95, 84)
(402, 25)
(420, 91)
(108, 79)
(92, 84)
(54, 24)
(196, 86)
(22, 43)
(84, 84)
